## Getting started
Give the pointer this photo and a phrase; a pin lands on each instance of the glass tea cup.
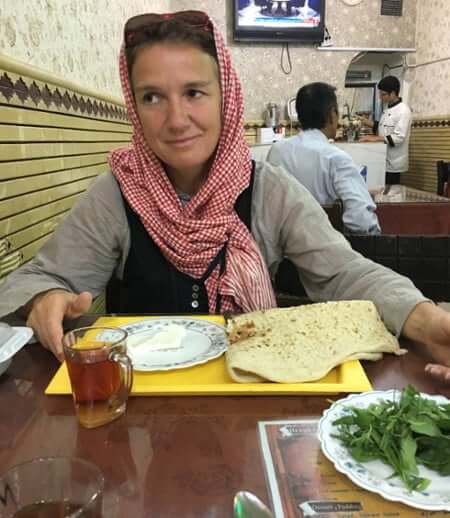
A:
(52, 487)
(100, 372)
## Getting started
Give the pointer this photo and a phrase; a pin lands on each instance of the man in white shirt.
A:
(393, 129)
(325, 170)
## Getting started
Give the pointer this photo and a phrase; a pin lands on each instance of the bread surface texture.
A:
(303, 343)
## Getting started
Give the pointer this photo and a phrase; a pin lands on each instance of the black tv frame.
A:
(283, 35)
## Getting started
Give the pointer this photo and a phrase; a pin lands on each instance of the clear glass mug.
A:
(100, 372)
(52, 487)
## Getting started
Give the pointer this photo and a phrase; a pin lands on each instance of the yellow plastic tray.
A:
(211, 379)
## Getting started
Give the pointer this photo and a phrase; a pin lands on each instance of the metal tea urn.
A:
(272, 115)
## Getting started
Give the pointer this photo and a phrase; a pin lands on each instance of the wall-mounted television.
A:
(279, 20)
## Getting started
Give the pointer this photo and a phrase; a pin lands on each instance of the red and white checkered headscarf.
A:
(191, 236)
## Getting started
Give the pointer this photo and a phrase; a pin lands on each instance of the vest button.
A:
(195, 287)
(194, 304)
(195, 296)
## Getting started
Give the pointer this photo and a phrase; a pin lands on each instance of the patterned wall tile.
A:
(18, 90)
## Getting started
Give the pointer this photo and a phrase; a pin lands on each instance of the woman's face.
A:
(178, 101)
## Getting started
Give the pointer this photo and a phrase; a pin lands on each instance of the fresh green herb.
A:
(404, 433)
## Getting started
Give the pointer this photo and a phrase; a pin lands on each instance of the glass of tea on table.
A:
(100, 372)
(52, 487)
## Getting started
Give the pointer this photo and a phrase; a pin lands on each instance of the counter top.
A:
(356, 142)
(404, 194)
(369, 154)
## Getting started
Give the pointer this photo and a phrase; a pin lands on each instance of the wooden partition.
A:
(429, 142)
(54, 140)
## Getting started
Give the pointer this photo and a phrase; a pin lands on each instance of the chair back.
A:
(442, 178)
(334, 212)
(289, 289)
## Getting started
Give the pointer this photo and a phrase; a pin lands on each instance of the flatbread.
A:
(303, 343)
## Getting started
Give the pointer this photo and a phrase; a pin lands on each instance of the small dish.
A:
(202, 342)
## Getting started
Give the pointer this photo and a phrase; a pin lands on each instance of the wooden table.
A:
(168, 456)
(408, 211)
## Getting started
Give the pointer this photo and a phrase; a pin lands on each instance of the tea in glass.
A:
(100, 373)
(62, 509)
(52, 487)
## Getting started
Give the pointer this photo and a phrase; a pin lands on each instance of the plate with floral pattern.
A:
(202, 341)
(375, 475)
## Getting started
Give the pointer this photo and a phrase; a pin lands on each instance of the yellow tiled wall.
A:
(54, 140)
(429, 142)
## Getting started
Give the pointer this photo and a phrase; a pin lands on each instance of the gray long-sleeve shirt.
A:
(93, 242)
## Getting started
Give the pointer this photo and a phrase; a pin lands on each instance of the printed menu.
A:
(304, 483)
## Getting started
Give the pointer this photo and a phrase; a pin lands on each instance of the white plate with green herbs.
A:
(409, 430)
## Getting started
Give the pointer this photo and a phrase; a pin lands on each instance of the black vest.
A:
(151, 284)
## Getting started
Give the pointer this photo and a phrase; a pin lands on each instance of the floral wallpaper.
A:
(430, 79)
(79, 40)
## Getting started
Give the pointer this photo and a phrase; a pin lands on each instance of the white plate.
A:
(203, 342)
(373, 475)
(19, 337)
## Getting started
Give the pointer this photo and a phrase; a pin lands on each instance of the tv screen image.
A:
(282, 20)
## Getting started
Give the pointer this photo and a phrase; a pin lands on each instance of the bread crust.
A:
(303, 343)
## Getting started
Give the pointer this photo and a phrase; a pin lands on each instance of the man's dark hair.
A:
(389, 84)
(314, 103)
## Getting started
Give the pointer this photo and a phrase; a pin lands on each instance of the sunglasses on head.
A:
(136, 26)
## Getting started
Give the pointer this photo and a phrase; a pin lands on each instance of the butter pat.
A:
(169, 338)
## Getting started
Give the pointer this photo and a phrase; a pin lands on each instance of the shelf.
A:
(365, 49)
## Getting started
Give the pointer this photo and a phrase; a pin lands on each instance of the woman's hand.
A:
(439, 372)
(430, 326)
(47, 312)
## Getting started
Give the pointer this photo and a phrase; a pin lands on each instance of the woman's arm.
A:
(80, 257)
(288, 222)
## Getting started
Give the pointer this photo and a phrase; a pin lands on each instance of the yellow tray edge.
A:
(355, 379)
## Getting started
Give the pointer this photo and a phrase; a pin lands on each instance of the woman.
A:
(185, 221)
(175, 104)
